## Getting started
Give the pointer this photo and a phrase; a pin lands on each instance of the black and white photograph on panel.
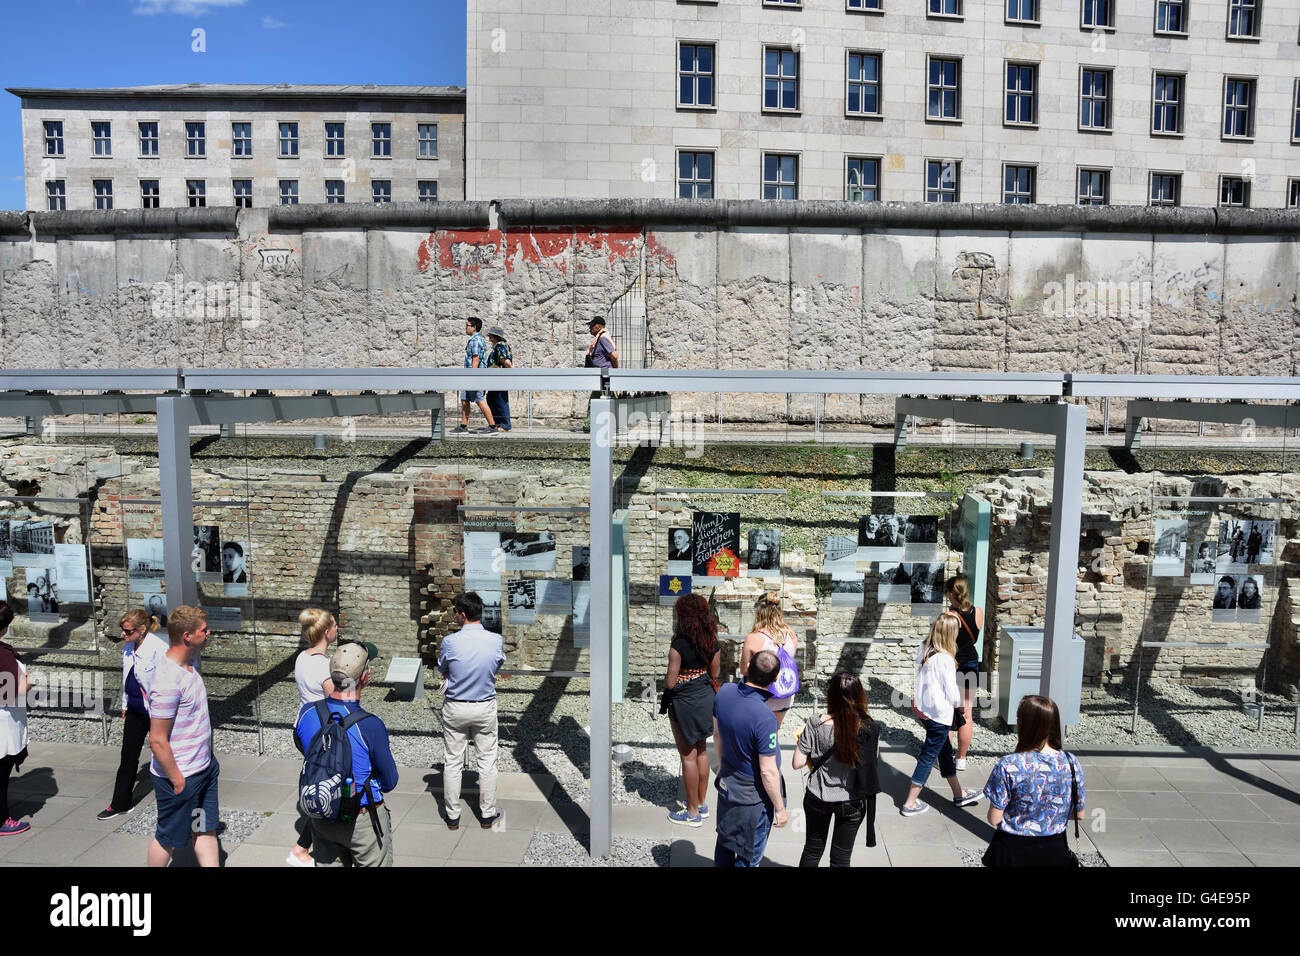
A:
(144, 565)
(1223, 608)
(206, 557)
(895, 584)
(31, 544)
(1259, 542)
(922, 534)
(1250, 593)
(880, 537)
(42, 595)
(927, 588)
(522, 601)
(529, 550)
(155, 606)
(581, 562)
(1169, 551)
(234, 568)
(1203, 555)
(6, 555)
(764, 553)
(679, 550)
(840, 555)
(848, 590)
(1243, 542)
(491, 610)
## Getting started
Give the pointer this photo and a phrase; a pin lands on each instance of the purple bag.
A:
(787, 678)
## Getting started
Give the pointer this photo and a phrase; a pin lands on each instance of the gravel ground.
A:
(236, 825)
(563, 849)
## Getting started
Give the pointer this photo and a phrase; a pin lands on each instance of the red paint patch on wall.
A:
(533, 246)
(463, 251)
(466, 251)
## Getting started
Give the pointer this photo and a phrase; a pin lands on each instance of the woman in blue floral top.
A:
(499, 357)
(1032, 792)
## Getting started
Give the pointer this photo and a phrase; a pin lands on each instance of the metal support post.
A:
(602, 623)
(1063, 552)
(175, 416)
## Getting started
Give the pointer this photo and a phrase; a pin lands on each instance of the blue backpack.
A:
(326, 789)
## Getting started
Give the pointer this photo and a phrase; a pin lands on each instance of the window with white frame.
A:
(862, 179)
(335, 191)
(862, 78)
(288, 192)
(56, 195)
(867, 6)
(289, 146)
(1295, 113)
(942, 180)
(780, 79)
(945, 8)
(1022, 11)
(943, 88)
(1094, 187)
(103, 193)
(241, 139)
(1167, 103)
(1098, 14)
(196, 139)
(1166, 189)
(1243, 19)
(149, 198)
(1234, 191)
(428, 189)
(1094, 99)
(148, 139)
(196, 191)
(1018, 185)
(780, 176)
(53, 137)
(101, 133)
(334, 139)
(381, 190)
(1171, 16)
(428, 140)
(694, 174)
(1021, 94)
(1293, 194)
(243, 192)
(381, 140)
(695, 74)
(1238, 107)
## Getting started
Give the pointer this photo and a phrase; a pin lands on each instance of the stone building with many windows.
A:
(243, 145)
(1164, 102)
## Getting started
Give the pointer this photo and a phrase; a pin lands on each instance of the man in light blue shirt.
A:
(476, 356)
(469, 660)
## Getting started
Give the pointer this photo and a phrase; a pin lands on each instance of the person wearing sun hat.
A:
(499, 357)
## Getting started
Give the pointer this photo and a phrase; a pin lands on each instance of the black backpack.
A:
(326, 789)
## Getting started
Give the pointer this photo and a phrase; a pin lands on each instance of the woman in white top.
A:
(311, 671)
(937, 697)
(142, 646)
(13, 722)
(770, 633)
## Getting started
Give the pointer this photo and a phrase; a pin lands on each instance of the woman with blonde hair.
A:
(311, 671)
(936, 701)
(142, 647)
(970, 621)
(771, 633)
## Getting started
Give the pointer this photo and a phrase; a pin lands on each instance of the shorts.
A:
(193, 810)
(471, 396)
(968, 675)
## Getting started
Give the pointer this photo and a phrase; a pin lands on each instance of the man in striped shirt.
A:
(180, 735)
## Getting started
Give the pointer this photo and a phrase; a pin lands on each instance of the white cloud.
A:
(184, 7)
(271, 23)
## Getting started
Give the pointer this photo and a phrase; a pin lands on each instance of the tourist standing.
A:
(476, 353)
(140, 642)
(689, 690)
(771, 633)
(843, 748)
(499, 357)
(311, 672)
(1034, 792)
(970, 621)
(600, 354)
(13, 721)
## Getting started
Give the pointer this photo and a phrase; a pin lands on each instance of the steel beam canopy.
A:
(836, 382)
(394, 379)
(1184, 386)
(89, 379)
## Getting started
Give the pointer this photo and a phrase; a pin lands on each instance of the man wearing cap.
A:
(469, 660)
(499, 357)
(600, 354)
(476, 353)
(368, 839)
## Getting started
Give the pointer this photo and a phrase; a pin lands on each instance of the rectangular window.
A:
(945, 8)
(1094, 99)
(56, 195)
(53, 137)
(944, 88)
(196, 191)
(148, 139)
(780, 176)
(1171, 16)
(243, 190)
(334, 139)
(869, 6)
(1021, 94)
(782, 3)
(1293, 193)
(1234, 191)
(149, 194)
(1022, 11)
(1094, 187)
(863, 79)
(428, 140)
(1166, 189)
(241, 139)
(1238, 107)
(780, 79)
(1167, 104)
(1098, 14)
(289, 146)
(103, 193)
(942, 180)
(1018, 185)
(1295, 113)
(1243, 19)
(288, 192)
(695, 74)
(381, 139)
(694, 175)
(335, 191)
(195, 139)
(861, 179)
(102, 134)
(428, 190)
(381, 190)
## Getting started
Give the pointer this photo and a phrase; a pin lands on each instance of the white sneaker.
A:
(961, 763)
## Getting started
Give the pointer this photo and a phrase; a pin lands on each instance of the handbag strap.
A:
(958, 616)
(1074, 797)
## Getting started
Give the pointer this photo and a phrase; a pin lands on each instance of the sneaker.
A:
(294, 860)
(685, 819)
(487, 430)
(108, 813)
(12, 827)
(921, 807)
(968, 799)
(961, 763)
(460, 429)
(704, 811)
(488, 822)
(453, 824)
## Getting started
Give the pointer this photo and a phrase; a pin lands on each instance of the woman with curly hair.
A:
(693, 662)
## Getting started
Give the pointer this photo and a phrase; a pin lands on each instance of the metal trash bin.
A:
(1020, 667)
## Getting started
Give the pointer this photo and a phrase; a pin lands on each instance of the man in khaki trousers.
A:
(469, 659)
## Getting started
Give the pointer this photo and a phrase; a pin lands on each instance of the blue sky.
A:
(94, 43)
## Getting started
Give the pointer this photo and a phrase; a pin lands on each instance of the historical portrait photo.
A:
(764, 553)
(881, 537)
(206, 556)
(234, 569)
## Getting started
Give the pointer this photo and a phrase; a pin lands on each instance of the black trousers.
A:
(6, 768)
(135, 729)
(848, 816)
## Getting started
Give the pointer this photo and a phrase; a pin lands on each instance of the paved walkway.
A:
(1143, 810)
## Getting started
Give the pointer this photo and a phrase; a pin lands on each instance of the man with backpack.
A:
(347, 768)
